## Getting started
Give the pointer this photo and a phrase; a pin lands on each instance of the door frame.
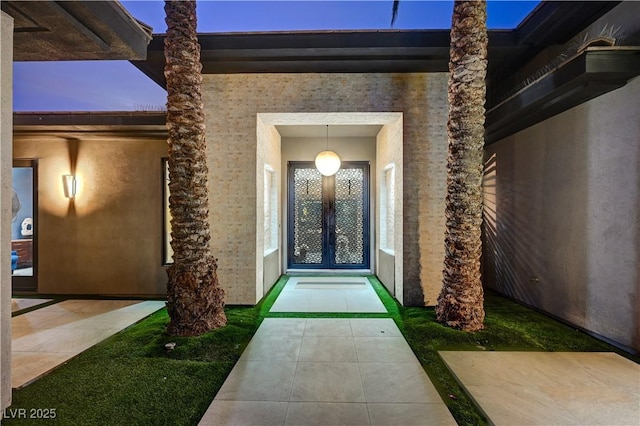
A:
(328, 205)
(29, 283)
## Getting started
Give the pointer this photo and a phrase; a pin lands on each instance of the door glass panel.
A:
(349, 216)
(22, 223)
(328, 222)
(307, 225)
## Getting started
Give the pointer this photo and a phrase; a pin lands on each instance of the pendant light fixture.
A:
(327, 162)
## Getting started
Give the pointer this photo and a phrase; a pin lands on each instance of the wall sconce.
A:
(69, 185)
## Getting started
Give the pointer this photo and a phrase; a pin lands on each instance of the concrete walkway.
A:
(550, 388)
(315, 294)
(18, 304)
(328, 372)
(361, 371)
(321, 371)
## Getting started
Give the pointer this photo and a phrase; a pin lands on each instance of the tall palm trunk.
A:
(195, 301)
(460, 303)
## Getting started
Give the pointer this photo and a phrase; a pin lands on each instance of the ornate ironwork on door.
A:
(307, 216)
(349, 216)
(328, 217)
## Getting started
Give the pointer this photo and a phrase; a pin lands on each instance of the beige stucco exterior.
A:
(6, 132)
(562, 203)
(268, 158)
(233, 103)
(108, 240)
(389, 268)
(563, 228)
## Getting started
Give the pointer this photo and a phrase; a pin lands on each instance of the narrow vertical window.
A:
(270, 210)
(387, 208)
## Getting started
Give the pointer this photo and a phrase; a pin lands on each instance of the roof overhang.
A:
(323, 52)
(592, 73)
(75, 30)
(550, 23)
(91, 125)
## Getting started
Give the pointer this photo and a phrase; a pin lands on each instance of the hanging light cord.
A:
(327, 137)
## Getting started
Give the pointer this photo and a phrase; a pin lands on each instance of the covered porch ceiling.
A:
(323, 131)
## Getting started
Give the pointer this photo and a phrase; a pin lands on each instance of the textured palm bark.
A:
(195, 300)
(460, 303)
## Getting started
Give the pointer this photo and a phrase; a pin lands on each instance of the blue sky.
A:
(119, 86)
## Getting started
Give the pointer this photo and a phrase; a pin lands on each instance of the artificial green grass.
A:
(130, 379)
(270, 298)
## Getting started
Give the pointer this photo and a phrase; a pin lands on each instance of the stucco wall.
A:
(268, 156)
(271, 271)
(108, 240)
(386, 271)
(563, 215)
(233, 102)
(390, 264)
(6, 125)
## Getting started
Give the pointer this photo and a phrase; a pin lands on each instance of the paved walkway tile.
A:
(327, 372)
(545, 388)
(18, 304)
(259, 381)
(245, 413)
(337, 294)
(49, 336)
(327, 413)
(409, 414)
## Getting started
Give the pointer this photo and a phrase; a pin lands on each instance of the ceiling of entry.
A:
(335, 131)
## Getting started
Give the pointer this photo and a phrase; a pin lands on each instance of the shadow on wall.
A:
(505, 245)
(534, 223)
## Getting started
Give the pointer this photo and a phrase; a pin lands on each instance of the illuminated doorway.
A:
(328, 217)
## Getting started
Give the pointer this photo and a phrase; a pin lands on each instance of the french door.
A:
(24, 225)
(328, 217)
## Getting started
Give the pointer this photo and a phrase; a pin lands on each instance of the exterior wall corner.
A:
(6, 155)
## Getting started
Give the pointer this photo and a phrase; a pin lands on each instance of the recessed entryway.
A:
(373, 138)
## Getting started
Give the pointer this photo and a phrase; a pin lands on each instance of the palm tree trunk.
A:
(460, 303)
(195, 300)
